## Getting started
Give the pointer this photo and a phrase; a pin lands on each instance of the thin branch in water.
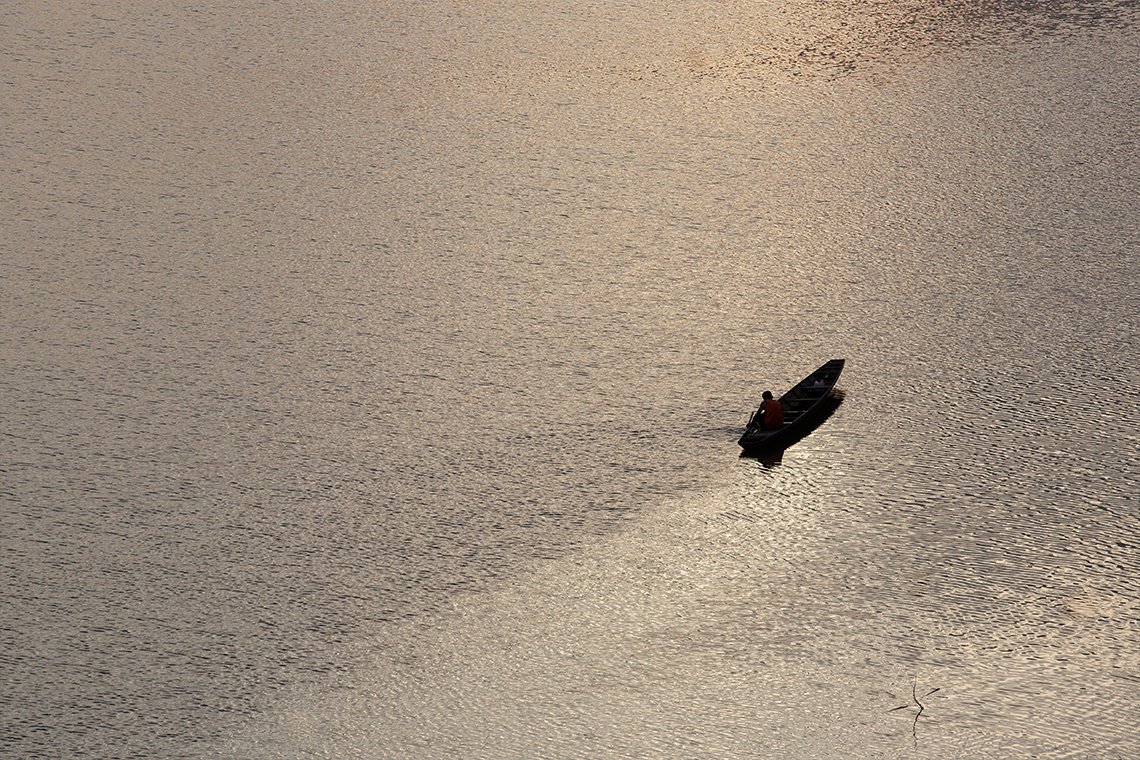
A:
(914, 696)
(918, 702)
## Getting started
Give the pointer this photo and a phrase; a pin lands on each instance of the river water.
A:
(372, 377)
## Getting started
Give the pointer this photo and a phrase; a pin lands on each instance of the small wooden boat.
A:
(805, 405)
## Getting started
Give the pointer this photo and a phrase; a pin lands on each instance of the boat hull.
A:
(806, 405)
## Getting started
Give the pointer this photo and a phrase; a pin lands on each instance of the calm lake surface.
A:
(372, 375)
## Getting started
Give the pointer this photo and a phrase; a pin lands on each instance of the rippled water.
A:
(372, 378)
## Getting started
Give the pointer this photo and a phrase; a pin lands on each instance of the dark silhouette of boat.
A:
(806, 405)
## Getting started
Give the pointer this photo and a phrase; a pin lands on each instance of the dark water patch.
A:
(834, 40)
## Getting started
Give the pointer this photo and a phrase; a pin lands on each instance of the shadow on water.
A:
(813, 420)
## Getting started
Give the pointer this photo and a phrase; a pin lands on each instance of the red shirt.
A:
(773, 413)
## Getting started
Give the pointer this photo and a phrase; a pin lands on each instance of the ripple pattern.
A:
(372, 372)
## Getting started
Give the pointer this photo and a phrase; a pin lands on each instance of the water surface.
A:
(373, 375)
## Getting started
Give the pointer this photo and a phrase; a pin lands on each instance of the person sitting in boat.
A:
(771, 413)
